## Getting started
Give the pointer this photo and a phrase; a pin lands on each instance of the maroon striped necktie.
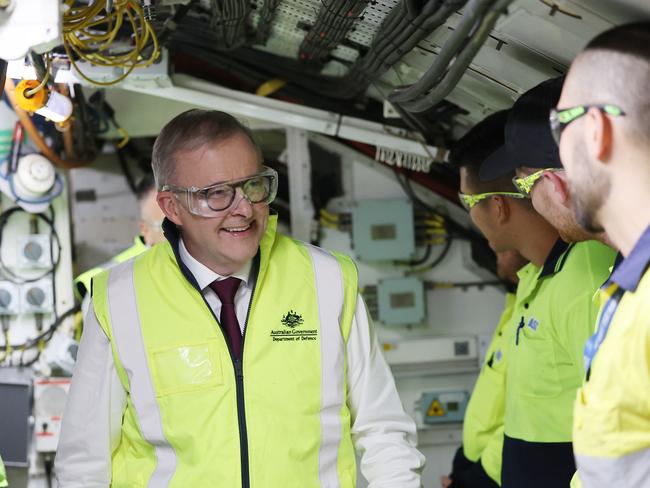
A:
(226, 290)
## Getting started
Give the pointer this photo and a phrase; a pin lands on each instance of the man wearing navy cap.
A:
(554, 308)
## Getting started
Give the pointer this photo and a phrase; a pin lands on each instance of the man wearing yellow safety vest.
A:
(230, 355)
(601, 123)
(554, 312)
(151, 218)
(477, 462)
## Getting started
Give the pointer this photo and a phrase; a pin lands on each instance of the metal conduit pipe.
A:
(461, 63)
(472, 15)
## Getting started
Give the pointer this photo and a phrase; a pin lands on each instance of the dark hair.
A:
(146, 185)
(476, 146)
(631, 39)
(191, 130)
(480, 141)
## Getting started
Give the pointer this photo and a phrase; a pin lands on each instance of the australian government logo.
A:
(292, 331)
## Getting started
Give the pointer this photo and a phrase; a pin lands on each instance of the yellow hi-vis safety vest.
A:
(82, 283)
(611, 426)
(196, 417)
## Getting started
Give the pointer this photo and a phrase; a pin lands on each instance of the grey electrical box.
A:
(401, 301)
(383, 230)
(15, 412)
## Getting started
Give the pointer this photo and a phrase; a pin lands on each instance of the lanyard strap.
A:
(605, 320)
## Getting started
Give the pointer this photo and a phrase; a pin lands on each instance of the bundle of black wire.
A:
(44, 336)
(335, 19)
(229, 23)
(267, 15)
(479, 17)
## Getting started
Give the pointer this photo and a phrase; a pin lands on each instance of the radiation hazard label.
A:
(435, 409)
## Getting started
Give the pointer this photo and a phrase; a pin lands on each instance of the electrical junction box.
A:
(401, 301)
(443, 407)
(9, 298)
(37, 297)
(49, 401)
(34, 251)
(383, 230)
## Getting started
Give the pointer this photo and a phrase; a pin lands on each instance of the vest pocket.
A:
(186, 368)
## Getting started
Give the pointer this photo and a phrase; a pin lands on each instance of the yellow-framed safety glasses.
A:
(525, 184)
(470, 201)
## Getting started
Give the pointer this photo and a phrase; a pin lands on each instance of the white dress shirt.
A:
(204, 276)
(384, 436)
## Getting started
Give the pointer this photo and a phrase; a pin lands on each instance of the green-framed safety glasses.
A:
(560, 119)
(525, 184)
(470, 201)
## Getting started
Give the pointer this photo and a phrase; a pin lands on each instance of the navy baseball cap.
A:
(528, 138)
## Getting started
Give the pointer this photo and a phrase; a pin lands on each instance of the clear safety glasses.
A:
(470, 201)
(208, 201)
(525, 184)
(560, 119)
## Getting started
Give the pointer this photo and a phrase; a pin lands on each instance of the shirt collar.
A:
(555, 259)
(203, 275)
(629, 273)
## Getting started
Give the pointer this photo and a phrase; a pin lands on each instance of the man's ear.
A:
(501, 208)
(169, 205)
(598, 134)
(559, 186)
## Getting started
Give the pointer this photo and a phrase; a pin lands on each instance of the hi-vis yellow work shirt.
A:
(483, 424)
(612, 412)
(555, 314)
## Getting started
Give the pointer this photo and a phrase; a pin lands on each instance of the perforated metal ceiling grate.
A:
(293, 17)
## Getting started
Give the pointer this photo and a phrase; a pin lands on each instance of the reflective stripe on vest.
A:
(129, 344)
(630, 471)
(330, 295)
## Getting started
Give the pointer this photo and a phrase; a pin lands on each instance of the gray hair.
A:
(189, 131)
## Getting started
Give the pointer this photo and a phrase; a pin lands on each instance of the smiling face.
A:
(225, 242)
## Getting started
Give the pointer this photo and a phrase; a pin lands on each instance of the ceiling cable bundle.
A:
(228, 23)
(267, 15)
(479, 17)
(94, 33)
(403, 28)
(334, 22)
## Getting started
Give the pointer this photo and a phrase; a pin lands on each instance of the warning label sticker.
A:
(435, 409)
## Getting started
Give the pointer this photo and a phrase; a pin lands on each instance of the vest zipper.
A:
(241, 409)
(238, 367)
(519, 327)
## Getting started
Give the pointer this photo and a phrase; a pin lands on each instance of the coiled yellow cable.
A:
(90, 32)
